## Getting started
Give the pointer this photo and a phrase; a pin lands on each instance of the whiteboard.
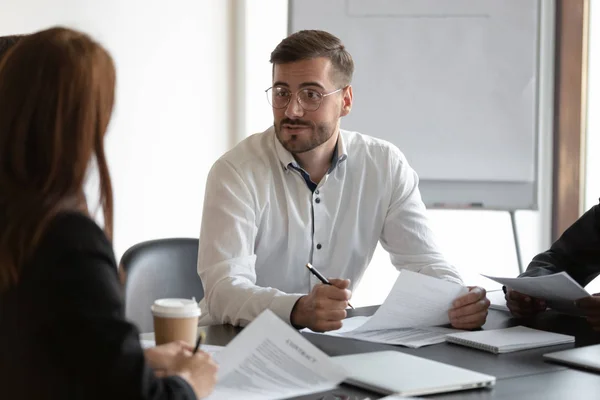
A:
(454, 84)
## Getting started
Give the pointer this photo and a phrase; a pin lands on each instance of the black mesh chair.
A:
(158, 269)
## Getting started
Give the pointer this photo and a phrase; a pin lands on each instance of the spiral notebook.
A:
(509, 339)
(394, 372)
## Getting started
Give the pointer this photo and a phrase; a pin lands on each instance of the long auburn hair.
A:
(6, 42)
(56, 99)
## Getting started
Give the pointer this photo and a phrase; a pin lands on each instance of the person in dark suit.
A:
(576, 252)
(63, 334)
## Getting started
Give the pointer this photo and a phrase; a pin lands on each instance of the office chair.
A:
(158, 269)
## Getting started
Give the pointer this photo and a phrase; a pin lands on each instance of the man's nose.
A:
(294, 109)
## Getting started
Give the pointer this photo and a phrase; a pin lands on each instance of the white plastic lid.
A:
(175, 308)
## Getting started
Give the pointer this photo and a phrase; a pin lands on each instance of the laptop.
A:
(587, 357)
(394, 372)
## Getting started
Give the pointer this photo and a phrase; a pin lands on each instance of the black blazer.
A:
(63, 333)
(577, 251)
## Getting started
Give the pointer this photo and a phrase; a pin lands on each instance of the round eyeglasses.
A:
(309, 99)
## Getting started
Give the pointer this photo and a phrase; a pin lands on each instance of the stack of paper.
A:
(410, 315)
(271, 360)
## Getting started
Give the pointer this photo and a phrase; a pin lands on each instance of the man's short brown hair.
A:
(309, 44)
(6, 42)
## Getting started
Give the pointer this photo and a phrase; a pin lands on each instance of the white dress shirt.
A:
(261, 224)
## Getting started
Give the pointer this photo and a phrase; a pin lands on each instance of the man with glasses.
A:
(305, 191)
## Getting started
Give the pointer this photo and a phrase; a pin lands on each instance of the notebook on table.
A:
(394, 372)
(509, 339)
(587, 357)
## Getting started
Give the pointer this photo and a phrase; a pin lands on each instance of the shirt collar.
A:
(340, 154)
(286, 158)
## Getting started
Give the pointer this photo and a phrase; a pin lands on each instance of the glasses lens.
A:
(278, 97)
(310, 99)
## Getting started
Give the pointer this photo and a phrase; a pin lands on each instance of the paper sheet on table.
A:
(559, 290)
(271, 360)
(409, 315)
(416, 300)
(409, 337)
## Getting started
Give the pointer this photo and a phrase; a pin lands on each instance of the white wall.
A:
(475, 242)
(261, 25)
(172, 113)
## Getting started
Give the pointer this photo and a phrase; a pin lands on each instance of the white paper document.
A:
(559, 290)
(410, 314)
(497, 300)
(409, 337)
(207, 348)
(271, 360)
(416, 300)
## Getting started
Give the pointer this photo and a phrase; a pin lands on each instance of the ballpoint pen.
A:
(199, 341)
(316, 273)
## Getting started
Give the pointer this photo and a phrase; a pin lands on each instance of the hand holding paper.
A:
(522, 305)
(470, 310)
(416, 300)
(559, 291)
(414, 309)
(590, 308)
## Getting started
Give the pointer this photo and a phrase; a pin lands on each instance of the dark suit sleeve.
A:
(84, 324)
(576, 252)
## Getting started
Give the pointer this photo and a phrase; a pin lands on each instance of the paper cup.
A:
(175, 319)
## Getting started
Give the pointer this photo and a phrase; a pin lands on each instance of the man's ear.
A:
(346, 101)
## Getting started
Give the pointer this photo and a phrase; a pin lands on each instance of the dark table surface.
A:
(519, 375)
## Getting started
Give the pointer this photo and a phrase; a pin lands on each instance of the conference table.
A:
(519, 375)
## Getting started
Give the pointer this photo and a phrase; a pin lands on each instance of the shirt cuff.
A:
(283, 305)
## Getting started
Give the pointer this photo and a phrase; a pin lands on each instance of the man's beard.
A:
(302, 143)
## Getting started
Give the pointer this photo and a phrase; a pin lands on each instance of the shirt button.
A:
(319, 246)
(317, 191)
(317, 200)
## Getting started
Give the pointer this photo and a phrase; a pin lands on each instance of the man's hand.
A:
(163, 358)
(522, 305)
(591, 309)
(470, 311)
(324, 308)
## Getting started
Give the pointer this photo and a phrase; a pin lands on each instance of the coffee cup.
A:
(175, 319)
